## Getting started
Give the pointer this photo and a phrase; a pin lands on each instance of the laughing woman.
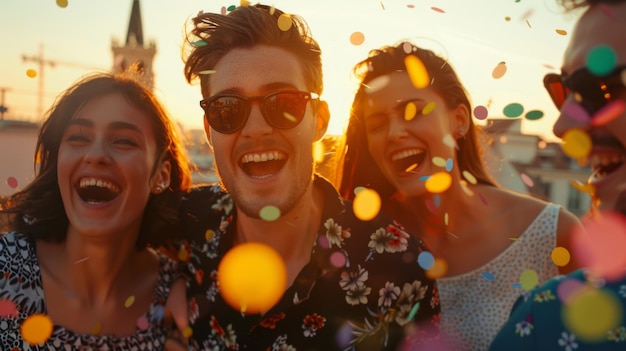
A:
(79, 261)
(405, 132)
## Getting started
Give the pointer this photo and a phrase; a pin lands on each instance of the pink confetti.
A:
(338, 259)
(411, 6)
(8, 309)
(480, 112)
(567, 287)
(607, 11)
(437, 9)
(142, 323)
(608, 113)
(483, 199)
(527, 180)
(12, 182)
(576, 112)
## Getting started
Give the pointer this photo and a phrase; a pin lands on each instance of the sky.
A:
(527, 37)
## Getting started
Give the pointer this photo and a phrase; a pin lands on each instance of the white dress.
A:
(476, 304)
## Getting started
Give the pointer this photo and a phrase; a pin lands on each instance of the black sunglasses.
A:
(228, 113)
(591, 91)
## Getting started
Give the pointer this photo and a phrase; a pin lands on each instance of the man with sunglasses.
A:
(351, 283)
(586, 310)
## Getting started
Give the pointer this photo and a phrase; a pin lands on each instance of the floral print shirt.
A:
(567, 313)
(22, 295)
(377, 299)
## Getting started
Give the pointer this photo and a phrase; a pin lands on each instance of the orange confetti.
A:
(561, 31)
(437, 9)
(357, 38)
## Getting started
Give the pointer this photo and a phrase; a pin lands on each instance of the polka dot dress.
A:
(476, 304)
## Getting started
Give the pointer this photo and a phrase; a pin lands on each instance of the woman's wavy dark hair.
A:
(359, 169)
(38, 209)
(213, 35)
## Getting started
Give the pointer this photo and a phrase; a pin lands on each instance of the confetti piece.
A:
(488, 276)
(527, 180)
(183, 255)
(528, 23)
(445, 218)
(62, 3)
(209, 234)
(600, 243)
(513, 110)
(366, 204)
(187, 332)
(507, 18)
(7, 309)
(428, 108)
(560, 256)
(244, 3)
(417, 71)
(376, 84)
(382, 5)
(142, 323)
(439, 161)
(437, 9)
(338, 259)
(480, 112)
(199, 43)
(289, 116)
(407, 47)
(31, 73)
(82, 260)
(514, 239)
(269, 213)
(576, 143)
(438, 270)
(410, 111)
(567, 287)
(413, 312)
(12, 182)
(411, 6)
(208, 71)
(529, 279)
(533, 115)
(449, 141)
(591, 313)
(583, 187)
(426, 260)
(483, 199)
(469, 177)
(438, 182)
(129, 301)
(609, 112)
(499, 71)
(36, 329)
(449, 164)
(284, 22)
(96, 329)
(252, 277)
(319, 152)
(601, 60)
(576, 112)
(561, 32)
(411, 168)
(223, 10)
(231, 7)
(357, 38)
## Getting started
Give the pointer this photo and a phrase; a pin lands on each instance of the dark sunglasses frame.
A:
(594, 91)
(228, 122)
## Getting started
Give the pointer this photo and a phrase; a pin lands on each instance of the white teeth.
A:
(262, 157)
(405, 154)
(85, 182)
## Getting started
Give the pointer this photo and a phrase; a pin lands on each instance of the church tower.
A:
(135, 54)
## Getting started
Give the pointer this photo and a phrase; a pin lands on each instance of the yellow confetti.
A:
(269, 213)
(209, 234)
(129, 301)
(96, 329)
(318, 152)
(591, 313)
(439, 161)
(31, 73)
(438, 270)
(438, 182)
(410, 111)
(561, 31)
(36, 329)
(469, 177)
(208, 71)
(428, 108)
(576, 143)
(62, 3)
(417, 71)
(366, 204)
(187, 332)
(529, 279)
(560, 256)
(411, 167)
(183, 255)
(284, 22)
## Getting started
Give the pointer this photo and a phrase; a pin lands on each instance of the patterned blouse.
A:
(371, 300)
(593, 317)
(476, 304)
(21, 286)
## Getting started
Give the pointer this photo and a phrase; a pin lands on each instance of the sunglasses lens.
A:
(555, 87)
(226, 114)
(285, 109)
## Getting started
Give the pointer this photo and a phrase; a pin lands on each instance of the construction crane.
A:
(42, 62)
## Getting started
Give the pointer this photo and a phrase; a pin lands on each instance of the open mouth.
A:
(605, 163)
(97, 191)
(262, 165)
(407, 160)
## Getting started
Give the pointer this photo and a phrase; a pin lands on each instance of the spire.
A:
(135, 30)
